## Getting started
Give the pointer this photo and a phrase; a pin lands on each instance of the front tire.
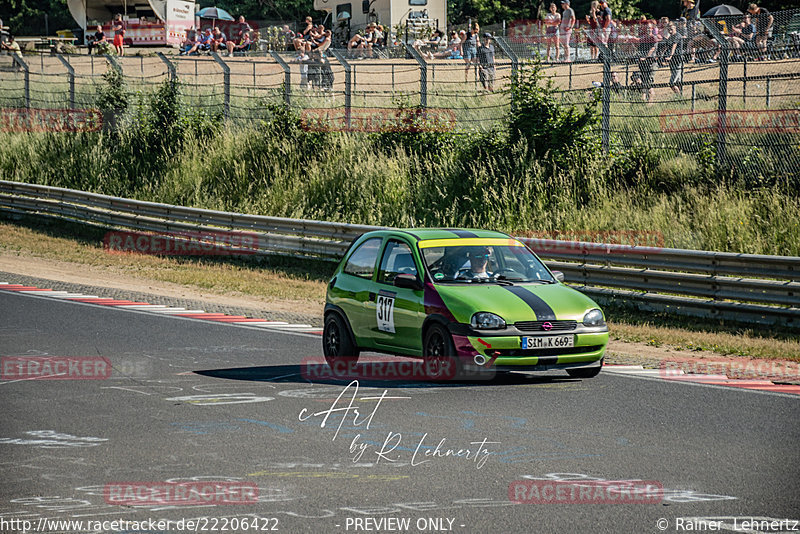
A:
(337, 345)
(439, 354)
(585, 372)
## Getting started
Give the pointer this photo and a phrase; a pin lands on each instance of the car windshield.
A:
(508, 262)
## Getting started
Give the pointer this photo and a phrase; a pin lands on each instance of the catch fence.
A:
(713, 94)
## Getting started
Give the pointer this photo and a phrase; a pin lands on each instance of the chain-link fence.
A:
(716, 87)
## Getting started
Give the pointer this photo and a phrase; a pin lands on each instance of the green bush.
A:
(528, 175)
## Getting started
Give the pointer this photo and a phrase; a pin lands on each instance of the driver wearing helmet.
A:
(478, 260)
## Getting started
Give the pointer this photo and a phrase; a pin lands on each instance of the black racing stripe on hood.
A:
(542, 310)
(462, 233)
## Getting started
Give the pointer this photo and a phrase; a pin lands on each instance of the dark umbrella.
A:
(215, 13)
(722, 10)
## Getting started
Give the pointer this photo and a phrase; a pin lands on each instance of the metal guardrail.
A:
(742, 287)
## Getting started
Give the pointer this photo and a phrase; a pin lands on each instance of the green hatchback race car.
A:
(462, 299)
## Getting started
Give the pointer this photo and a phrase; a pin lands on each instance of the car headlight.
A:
(594, 318)
(487, 321)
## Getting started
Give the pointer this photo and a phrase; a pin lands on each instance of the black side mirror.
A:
(408, 281)
(558, 275)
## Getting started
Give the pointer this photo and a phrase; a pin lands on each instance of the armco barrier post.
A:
(173, 74)
(71, 75)
(27, 78)
(605, 126)
(226, 80)
(287, 77)
(423, 75)
(507, 50)
(722, 107)
(722, 95)
(113, 63)
(348, 85)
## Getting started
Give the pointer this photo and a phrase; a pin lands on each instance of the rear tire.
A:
(441, 362)
(589, 372)
(337, 345)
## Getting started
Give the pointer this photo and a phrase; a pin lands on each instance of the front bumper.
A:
(505, 351)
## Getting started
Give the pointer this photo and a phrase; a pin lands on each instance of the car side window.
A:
(397, 259)
(362, 260)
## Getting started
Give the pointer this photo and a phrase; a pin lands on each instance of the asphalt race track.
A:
(190, 401)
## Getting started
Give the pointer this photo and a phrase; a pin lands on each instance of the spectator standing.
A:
(469, 49)
(604, 21)
(118, 27)
(674, 44)
(593, 33)
(242, 27)
(486, 70)
(98, 37)
(764, 21)
(565, 30)
(551, 22)
(645, 65)
(691, 10)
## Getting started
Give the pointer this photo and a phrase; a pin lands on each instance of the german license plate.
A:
(548, 342)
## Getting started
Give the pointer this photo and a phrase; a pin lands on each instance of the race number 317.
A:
(385, 313)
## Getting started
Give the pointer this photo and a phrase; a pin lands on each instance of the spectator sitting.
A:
(218, 39)
(616, 85)
(363, 42)
(742, 35)
(321, 41)
(95, 40)
(288, 36)
(432, 43)
(13, 48)
(380, 36)
(453, 50)
(202, 43)
(302, 37)
(706, 46)
(242, 46)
